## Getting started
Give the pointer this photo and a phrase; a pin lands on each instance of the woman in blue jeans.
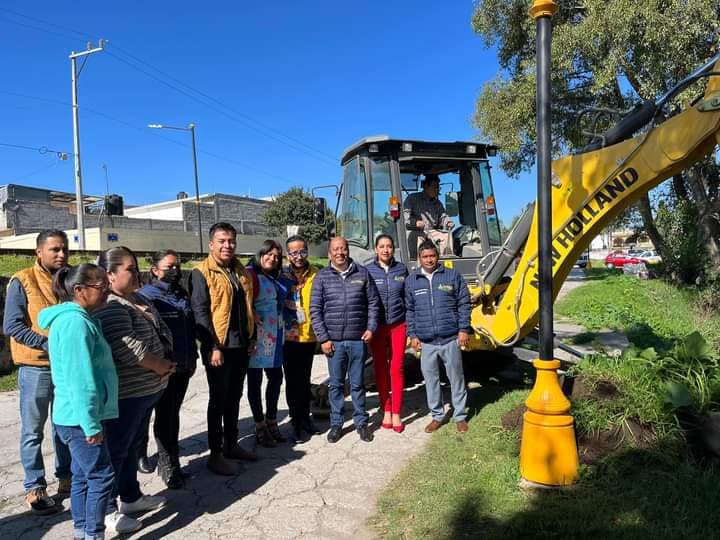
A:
(86, 391)
(141, 344)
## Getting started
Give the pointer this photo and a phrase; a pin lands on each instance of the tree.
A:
(294, 207)
(605, 53)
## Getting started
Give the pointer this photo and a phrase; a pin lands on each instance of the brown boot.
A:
(462, 426)
(263, 436)
(218, 464)
(275, 431)
(235, 451)
(433, 426)
(64, 487)
(40, 502)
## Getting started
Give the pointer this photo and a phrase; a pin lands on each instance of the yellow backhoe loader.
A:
(590, 188)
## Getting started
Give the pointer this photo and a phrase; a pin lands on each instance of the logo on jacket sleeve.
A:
(399, 278)
(418, 292)
(357, 282)
(446, 288)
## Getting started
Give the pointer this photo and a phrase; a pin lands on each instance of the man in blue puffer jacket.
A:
(344, 309)
(438, 323)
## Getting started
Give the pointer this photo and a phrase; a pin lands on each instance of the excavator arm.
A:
(590, 189)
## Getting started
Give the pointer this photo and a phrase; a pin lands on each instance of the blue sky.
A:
(301, 80)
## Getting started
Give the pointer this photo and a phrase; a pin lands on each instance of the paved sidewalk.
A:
(315, 489)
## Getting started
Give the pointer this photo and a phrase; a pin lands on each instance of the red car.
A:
(618, 259)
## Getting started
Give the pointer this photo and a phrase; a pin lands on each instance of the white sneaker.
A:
(143, 504)
(122, 524)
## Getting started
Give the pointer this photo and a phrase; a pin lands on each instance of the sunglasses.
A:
(298, 253)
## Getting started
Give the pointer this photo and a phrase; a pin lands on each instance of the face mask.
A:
(172, 276)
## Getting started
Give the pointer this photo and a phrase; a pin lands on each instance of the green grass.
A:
(652, 313)
(9, 264)
(467, 487)
(8, 381)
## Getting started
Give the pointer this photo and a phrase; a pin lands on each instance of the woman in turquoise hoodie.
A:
(86, 391)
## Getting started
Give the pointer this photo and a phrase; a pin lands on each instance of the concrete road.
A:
(310, 490)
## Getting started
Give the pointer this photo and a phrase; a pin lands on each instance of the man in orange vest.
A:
(28, 292)
(221, 298)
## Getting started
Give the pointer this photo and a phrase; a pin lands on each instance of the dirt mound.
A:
(593, 447)
(581, 388)
(513, 419)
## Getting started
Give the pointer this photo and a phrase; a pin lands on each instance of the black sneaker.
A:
(299, 435)
(365, 433)
(334, 434)
(40, 502)
(309, 426)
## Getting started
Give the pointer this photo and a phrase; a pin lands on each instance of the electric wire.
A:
(155, 133)
(263, 129)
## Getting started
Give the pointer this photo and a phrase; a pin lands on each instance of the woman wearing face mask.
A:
(173, 304)
(141, 346)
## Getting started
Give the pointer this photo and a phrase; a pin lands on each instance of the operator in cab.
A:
(426, 218)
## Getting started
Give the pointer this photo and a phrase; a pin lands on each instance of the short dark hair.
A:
(428, 244)
(160, 255)
(222, 226)
(384, 236)
(67, 278)
(50, 233)
(430, 178)
(113, 257)
(295, 238)
(266, 247)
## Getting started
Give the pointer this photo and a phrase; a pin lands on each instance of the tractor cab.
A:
(380, 173)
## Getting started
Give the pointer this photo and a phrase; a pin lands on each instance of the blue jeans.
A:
(36, 396)
(451, 356)
(123, 435)
(92, 482)
(348, 360)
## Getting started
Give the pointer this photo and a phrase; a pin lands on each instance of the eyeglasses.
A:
(298, 253)
(102, 287)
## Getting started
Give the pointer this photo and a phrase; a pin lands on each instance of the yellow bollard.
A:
(548, 451)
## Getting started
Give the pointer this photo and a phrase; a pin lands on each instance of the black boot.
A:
(169, 473)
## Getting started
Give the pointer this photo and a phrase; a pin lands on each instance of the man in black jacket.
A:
(344, 310)
(221, 299)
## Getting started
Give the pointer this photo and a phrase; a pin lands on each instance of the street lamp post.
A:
(80, 209)
(191, 129)
(548, 451)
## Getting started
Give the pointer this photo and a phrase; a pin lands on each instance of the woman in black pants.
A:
(173, 304)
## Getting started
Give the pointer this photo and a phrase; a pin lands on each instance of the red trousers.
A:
(388, 350)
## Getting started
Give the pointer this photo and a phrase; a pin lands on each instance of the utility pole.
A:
(80, 209)
(197, 186)
(191, 129)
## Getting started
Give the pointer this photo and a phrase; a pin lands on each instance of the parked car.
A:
(583, 260)
(650, 257)
(618, 259)
(635, 252)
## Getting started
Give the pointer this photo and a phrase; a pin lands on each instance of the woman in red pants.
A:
(388, 343)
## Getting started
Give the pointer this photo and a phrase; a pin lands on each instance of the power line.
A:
(153, 133)
(260, 127)
(223, 112)
(220, 103)
(42, 149)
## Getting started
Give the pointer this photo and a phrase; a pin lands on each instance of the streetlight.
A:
(80, 209)
(191, 129)
(548, 450)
